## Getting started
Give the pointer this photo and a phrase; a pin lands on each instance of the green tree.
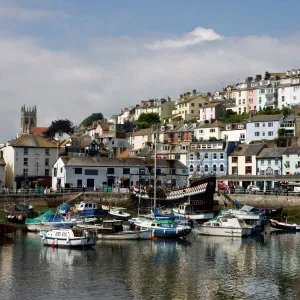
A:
(92, 118)
(146, 120)
(59, 126)
(281, 131)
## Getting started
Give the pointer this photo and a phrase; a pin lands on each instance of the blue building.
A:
(209, 157)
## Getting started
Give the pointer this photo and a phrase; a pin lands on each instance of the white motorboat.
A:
(113, 230)
(248, 213)
(225, 225)
(119, 213)
(190, 212)
(70, 238)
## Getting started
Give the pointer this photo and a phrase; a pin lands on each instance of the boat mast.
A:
(154, 200)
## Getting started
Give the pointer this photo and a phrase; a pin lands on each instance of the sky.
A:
(74, 58)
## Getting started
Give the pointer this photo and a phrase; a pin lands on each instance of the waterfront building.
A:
(291, 161)
(269, 162)
(211, 111)
(29, 160)
(76, 172)
(242, 161)
(209, 157)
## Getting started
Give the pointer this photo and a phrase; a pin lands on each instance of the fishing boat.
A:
(46, 221)
(226, 225)
(283, 226)
(119, 213)
(70, 238)
(17, 213)
(91, 210)
(162, 228)
(64, 208)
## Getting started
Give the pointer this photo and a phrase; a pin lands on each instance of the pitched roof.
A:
(266, 118)
(271, 152)
(292, 150)
(38, 130)
(247, 149)
(117, 162)
(32, 141)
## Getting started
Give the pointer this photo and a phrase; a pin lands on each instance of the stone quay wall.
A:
(54, 200)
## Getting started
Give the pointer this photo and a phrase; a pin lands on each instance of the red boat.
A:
(17, 213)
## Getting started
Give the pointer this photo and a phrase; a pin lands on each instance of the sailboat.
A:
(161, 227)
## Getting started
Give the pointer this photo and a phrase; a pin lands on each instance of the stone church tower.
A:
(28, 119)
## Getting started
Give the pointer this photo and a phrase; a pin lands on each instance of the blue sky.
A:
(93, 55)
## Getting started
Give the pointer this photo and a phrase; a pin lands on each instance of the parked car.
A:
(253, 188)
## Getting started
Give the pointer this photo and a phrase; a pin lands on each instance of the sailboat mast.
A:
(154, 200)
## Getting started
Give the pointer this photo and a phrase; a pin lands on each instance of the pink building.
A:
(212, 111)
(251, 98)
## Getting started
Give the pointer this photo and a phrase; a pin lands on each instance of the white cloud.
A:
(195, 37)
(105, 78)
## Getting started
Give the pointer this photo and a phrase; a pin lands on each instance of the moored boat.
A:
(91, 210)
(225, 225)
(17, 213)
(70, 238)
(119, 213)
(283, 226)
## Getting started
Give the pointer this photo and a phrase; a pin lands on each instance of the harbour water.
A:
(200, 268)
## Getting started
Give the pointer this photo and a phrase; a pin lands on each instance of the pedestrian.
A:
(83, 188)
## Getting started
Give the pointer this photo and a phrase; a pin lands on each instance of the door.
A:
(90, 183)
(79, 183)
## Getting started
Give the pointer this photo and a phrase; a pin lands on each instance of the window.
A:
(270, 133)
(221, 168)
(262, 172)
(47, 172)
(192, 104)
(287, 164)
(282, 98)
(47, 152)
(240, 93)
(256, 125)
(109, 171)
(25, 151)
(78, 170)
(263, 133)
(126, 171)
(264, 124)
(221, 155)
(215, 168)
(276, 161)
(262, 162)
(55, 172)
(191, 169)
(61, 170)
(25, 161)
(234, 159)
(276, 172)
(191, 156)
(177, 156)
(206, 155)
(91, 171)
(243, 101)
(158, 171)
(256, 133)
(262, 91)
(206, 168)
(248, 170)
(234, 170)
(248, 159)
(215, 156)
(192, 111)
(25, 172)
(259, 100)
(46, 161)
(240, 101)
(269, 161)
(270, 124)
(142, 171)
(212, 130)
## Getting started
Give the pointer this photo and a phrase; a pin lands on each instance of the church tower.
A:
(28, 119)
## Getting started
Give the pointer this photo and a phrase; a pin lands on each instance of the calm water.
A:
(202, 268)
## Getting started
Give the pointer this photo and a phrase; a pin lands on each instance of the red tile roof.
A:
(38, 130)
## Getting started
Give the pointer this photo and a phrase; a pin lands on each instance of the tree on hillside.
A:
(59, 126)
(146, 120)
(92, 118)
(229, 116)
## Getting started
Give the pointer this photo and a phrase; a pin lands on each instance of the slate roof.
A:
(32, 141)
(266, 118)
(247, 149)
(292, 150)
(271, 152)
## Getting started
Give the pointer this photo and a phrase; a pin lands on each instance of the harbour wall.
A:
(53, 200)
(261, 200)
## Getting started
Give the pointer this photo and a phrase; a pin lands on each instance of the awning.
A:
(124, 178)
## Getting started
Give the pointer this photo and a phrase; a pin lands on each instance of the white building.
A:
(234, 132)
(208, 131)
(2, 172)
(139, 139)
(77, 171)
(29, 160)
(291, 161)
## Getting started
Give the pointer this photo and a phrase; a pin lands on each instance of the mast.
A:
(154, 200)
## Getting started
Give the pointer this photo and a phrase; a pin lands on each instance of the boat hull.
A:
(128, 235)
(283, 226)
(171, 233)
(93, 213)
(223, 231)
(79, 242)
(119, 217)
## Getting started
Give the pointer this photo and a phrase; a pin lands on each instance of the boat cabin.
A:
(88, 206)
(111, 226)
